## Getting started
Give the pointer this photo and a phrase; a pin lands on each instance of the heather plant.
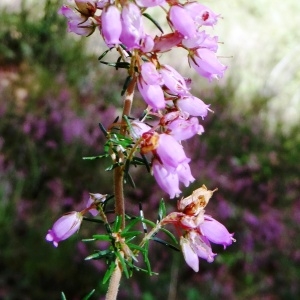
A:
(153, 140)
(255, 170)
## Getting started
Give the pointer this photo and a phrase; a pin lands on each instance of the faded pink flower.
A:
(167, 42)
(189, 254)
(77, 23)
(193, 245)
(64, 227)
(93, 201)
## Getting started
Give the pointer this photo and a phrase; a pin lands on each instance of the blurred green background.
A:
(53, 94)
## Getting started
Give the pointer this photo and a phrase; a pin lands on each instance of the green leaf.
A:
(136, 247)
(146, 163)
(128, 52)
(87, 297)
(137, 161)
(94, 256)
(63, 296)
(156, 239)
(153, 21)
(130, 234)
(95, 157)
(120, 139)
(123, 263)
(100, 254)
(111, 167)
(128, 178)
(126, 84)
(102, 128)
(117, 224)
(169, 234)
(104, 53)
(161, 210)
(102, 237)
(88, 240)
(94, 220)
(131, 224)
(109, 272)
(148, 222)
(146, 259)
(117, 65)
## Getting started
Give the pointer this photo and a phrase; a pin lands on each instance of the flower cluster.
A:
(197, 229)
(165, 91)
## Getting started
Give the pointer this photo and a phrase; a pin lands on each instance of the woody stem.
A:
(114, 282)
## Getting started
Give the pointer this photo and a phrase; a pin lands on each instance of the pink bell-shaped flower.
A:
(150, 74)
(201, 14)
(193, 106)
(216, 232)
(138, 128)
(64, 227)
(151, 93)
(132, 26)
(173, 81)
(183, 128)
(111, 25)
(184, 174)
(206, 64)
(149, 3)
(168, 181)
(170, 152)
(182, 21)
